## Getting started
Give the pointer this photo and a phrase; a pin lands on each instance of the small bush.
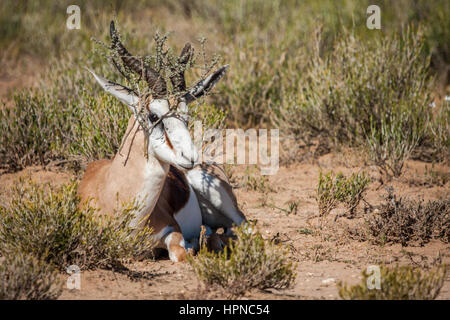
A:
(51, 226)
(63, 122)
(333, 189)
(406, 221)
(248, 262)
(23, 277)
(98, 124)
(392, 141)
(253, 181)
(27, 130)
(439, 136)
(210, 116)
(399, 283)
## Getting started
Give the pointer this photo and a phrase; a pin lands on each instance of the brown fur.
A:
(173, 198)
(112, 182)
(175, 248)
(175, 193)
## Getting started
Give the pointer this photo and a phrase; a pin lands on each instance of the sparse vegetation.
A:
(333, 189)
(435, 177)
(24, 277)
(431, 177)
(292, 206)
(305, 231)
(380, 85)
(246, 263)
(254, 181)
(398, 283)
(407, 221)
(439, 133)
(71, 121)
(49, 225)
(26, 130)
(376, 97)
(320, 252)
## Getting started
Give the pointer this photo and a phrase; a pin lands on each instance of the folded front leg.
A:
(175, 245)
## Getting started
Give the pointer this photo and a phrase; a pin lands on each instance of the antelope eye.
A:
(153, 117)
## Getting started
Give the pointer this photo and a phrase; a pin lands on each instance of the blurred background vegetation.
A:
(311, 68)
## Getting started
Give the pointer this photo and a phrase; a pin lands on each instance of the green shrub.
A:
(38, 28)
(391, 143)
(69, 118)
(333, 189)
(439, 133)
(376, 95)
(98, 125)
(407, 221)
(27, 131)
(211, 116)
(399, 283)
(248, 262)
(50, 226)
(23, 277)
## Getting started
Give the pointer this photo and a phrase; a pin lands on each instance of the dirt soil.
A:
(323, 258)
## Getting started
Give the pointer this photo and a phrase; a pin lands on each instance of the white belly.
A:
(190, 217)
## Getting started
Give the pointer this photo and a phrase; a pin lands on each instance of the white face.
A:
(170, 140)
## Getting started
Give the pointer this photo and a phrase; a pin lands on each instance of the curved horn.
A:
(177, 78)
(155, 81)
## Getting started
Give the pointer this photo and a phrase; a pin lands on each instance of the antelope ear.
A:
(205, 85)
(122, 93)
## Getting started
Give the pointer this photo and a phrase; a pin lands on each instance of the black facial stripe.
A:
(153, 117)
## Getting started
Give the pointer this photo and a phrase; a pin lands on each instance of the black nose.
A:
(184, 156)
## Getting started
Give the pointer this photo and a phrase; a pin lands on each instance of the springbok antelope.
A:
(174, 203)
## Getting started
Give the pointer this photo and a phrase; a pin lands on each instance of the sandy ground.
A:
(322, 259)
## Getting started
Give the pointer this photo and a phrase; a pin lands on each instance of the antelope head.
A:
(163, 118)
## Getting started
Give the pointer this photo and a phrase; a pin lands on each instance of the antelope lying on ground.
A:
(157, 177)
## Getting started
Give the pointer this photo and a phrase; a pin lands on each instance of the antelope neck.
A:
(141, 177)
